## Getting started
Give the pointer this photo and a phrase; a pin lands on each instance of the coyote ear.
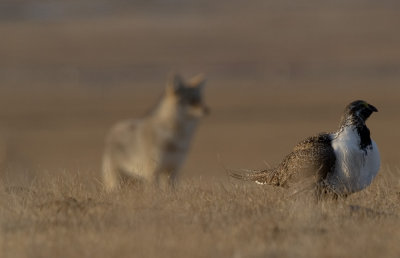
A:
(174, 83)
(197, 81)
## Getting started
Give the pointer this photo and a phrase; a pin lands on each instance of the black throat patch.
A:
(362, 130)
(365, 137)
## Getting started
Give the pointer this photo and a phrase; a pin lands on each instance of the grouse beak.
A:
(372, 108)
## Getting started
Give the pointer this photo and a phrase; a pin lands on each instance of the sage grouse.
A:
(338, 163)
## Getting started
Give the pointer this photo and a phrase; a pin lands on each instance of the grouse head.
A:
(357, 112)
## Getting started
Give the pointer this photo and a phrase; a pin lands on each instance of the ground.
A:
(60, 216)
(277, 72)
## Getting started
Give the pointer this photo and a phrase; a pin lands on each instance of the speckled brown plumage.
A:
(313, 158)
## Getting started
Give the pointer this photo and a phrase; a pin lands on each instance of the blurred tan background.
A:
(278, 71)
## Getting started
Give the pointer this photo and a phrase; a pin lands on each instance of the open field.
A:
(62, 217)
(277, 72)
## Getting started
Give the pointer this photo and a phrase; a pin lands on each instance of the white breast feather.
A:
(355, 168)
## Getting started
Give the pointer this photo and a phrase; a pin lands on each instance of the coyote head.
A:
(188, 95)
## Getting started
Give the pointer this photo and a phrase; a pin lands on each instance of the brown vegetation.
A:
(277, 71)
(63, 217)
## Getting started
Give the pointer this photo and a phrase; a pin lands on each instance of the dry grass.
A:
(278, 72)
(65, 217)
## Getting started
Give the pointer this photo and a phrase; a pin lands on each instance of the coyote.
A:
(152, 149)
